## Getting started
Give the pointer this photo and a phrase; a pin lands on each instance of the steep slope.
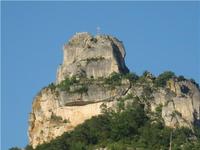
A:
(94, 74)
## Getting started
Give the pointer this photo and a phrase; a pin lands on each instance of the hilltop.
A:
(96, 102)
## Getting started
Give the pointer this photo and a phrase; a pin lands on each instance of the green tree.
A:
(131, 76)
(15, 148)
(162, 79)
(128, 126)
(114, 79)
(127, 122)
(28, 147)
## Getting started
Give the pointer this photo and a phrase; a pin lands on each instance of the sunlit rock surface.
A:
(91, 59)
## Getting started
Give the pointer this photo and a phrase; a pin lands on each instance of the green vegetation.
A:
(147, 93)
(115, 79)
(52, 86)
(15, 148)
(181, 78)
(94, 59)
(28, 147)
(93, 40)
(158, 111)
(68, 82)
(128, 127)
(195, 83)
(56, 118)
(162, 79)
(143, 79)
(131, 76)
(66, 121)
(65, 84)
(81, 90)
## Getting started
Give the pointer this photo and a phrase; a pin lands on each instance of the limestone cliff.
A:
(83, 85)
(85, 55)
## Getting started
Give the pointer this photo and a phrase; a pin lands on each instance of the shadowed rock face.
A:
(85, 55)
(55, 111)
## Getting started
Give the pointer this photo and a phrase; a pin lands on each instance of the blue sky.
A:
(158, 36)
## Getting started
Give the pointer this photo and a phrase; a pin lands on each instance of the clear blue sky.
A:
(158, 36)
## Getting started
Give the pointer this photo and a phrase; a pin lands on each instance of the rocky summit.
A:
(94, 74)
(85, 55)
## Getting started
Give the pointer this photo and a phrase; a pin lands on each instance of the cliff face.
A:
(82, 87)
(49, 120)
(85, 55)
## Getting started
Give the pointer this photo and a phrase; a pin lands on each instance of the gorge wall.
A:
(82, 86)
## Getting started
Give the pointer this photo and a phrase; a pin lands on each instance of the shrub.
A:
(146, 73)
(129, 96)
(181, 136)
(81, 90)
(52, 86)
(65, 84)
(66, 121)
(126, 123)
(158, 110)
(114, 79)
(88, 60)
(144, 77)
(15, 148)
(162, 79)
(78, 146)
(147, 93)
(154, 136)
(195, 83)
(131, 77)
(181, 78)
(117, 146)
(28, 147)
(56, 118)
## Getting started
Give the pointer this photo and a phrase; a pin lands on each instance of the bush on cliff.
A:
(65, 84)
(162, 79)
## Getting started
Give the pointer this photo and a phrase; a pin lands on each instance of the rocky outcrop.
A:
(180, 102)
(183, 108)
(55, 111)
(49, 120)
(80, 90)
(85, 55)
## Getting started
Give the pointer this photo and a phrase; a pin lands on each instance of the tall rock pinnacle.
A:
(85, 55)
(85, 83)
